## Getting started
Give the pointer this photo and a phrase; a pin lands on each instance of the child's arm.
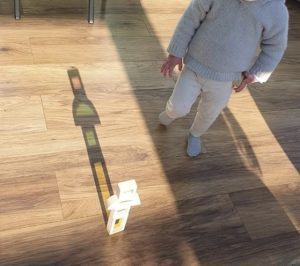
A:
(189, 22)
(273, 45)
(185, 30)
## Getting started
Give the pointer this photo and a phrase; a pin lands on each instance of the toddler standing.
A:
(217, 40)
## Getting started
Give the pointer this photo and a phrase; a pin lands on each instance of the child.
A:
(217, 41)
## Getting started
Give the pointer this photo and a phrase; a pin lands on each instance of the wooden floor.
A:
(238, 204)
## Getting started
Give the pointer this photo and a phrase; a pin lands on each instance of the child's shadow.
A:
(218, 197)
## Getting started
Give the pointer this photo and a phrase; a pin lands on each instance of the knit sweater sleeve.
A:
(189, 22)
(273, 45)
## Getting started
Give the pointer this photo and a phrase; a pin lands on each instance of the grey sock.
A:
(194, 146)
(164, 119)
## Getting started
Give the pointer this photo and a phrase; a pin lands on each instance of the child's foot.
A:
(164, 119)
(193, 146)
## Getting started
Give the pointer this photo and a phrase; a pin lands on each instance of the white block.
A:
(119, 206)
(112, 203)
(126, 190)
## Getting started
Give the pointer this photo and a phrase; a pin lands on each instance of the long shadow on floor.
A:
(86, 117)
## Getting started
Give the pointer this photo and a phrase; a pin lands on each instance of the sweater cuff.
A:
(260, 75)
(176, 49)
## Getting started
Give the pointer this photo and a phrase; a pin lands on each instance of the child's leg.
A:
(214, 98)
(186, 91)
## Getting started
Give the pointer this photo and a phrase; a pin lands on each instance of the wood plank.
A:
(292, 55)
(76, 183)
(29, 192)
(45, 50)
(75, 26)
(15, 167)
(105, 77)
(162, 26)
(261, 213)
(294, 24)
(21, 114)
(15, 51)
(169, 7)
(41, 143)
(288, 198)
(269, 97)
(28, 201)
(277, 250)
(69, 240)
(80, 208)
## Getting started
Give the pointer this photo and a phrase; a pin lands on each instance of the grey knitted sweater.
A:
(218, 39)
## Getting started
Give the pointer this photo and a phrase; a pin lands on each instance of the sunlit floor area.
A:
(62, 153)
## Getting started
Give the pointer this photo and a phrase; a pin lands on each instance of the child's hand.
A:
(248, 79)
(171, 62)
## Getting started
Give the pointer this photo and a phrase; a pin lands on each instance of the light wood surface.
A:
(238, 204)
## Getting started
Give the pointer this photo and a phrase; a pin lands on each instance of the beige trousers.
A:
(214, 97)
